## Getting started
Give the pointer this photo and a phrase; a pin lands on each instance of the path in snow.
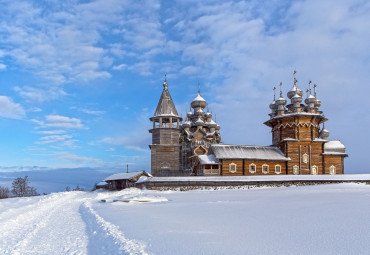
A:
(61, 223)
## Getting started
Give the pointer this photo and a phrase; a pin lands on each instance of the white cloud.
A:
(53, 139)
(10, 109)
(2, 67)
(40, 94)
(79, 159)
(51, 132)
(119, 67)
(59, 121)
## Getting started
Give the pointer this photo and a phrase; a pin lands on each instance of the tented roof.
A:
(165, 106)
(222, 151)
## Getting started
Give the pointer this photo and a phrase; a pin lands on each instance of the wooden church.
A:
(300, 144)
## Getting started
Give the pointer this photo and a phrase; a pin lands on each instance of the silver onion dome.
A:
(310, 100)
(186, 124)
(324, 133)
(295, 90)
(199, 122)
(211, 124)
(199, 101)
(296, 99)
(189, 114)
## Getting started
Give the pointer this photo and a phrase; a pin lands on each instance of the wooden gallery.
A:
(300, 144)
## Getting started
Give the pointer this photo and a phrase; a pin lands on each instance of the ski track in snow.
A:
(62, 223)
(103, 232)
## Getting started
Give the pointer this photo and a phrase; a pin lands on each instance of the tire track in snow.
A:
(42, 230)
(105, 237)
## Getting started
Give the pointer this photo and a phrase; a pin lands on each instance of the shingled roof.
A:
(223, 151)
(165, 107)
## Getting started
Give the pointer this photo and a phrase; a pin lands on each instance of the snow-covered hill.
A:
(322, 219)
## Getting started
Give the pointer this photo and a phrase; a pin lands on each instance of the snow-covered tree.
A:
(21, 188)
(4, 192)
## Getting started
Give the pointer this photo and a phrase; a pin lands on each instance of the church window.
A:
(265, 168)
(295, 170)
(277, 169)
(332, 169)
(232, 167)
(252, 168)
(305, 158)
(314, 170)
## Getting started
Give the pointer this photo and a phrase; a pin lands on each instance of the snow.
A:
(319, 219)
(122, 176)
(265, 178)
(226, 151)
(208, 159)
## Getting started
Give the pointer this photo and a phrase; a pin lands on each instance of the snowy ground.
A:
(322, 219)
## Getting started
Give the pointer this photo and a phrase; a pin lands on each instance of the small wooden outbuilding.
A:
(124, 180)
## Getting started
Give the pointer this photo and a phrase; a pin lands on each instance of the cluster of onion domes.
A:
(199, 118)
(278, 107)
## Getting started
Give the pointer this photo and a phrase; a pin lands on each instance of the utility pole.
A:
(127, 168)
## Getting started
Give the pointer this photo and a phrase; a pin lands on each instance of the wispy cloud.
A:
(53, 139)
(10, 109)
(58, 121)
(78, 159)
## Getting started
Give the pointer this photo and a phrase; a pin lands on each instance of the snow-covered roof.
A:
(222, 151)
(208, 160)
(123, 176)
(199, 98)
(165, 106)
(319, 140)
(334, 146)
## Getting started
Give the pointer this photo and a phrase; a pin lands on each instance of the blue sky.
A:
(79, 79)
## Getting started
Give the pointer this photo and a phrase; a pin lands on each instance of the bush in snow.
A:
(21, 188)
(4, 192)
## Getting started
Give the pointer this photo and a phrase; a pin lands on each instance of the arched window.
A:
(232, 167)
(314, 170)
(278, 169)
(332, 169)
(265, 169)
(252, 168)
(295, 169)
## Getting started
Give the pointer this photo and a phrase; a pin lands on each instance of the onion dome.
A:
(281, 101)
(310, 100)
(208, 114)
(200, 112)
(186, 124)
(296, 99)
(318, 102)
(199, 101)
(211, 124)
(189, 114)
(273, 105)
(199, 122)
(295, 90)
(324, 133)
(218, 127)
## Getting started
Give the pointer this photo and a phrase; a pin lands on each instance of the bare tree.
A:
(4, 192)
(21, 188)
